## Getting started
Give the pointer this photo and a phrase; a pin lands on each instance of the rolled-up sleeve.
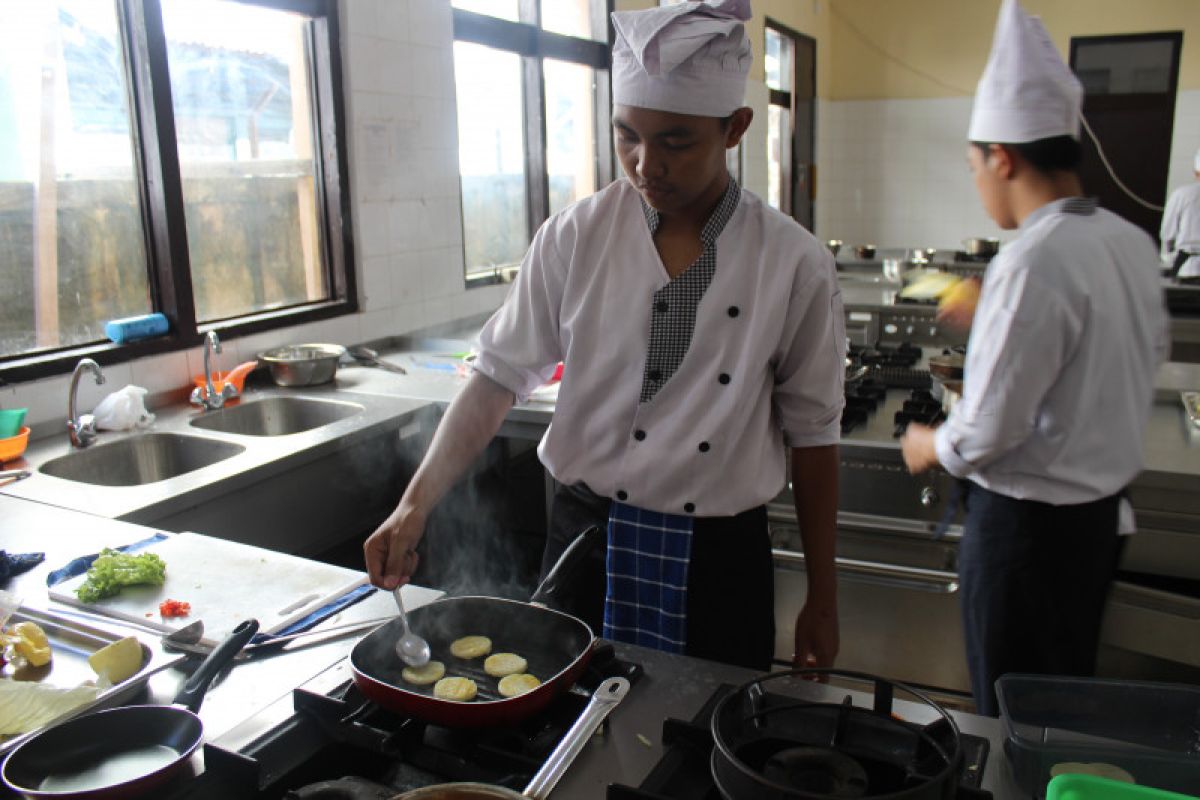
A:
(810, 361)
(520, 346)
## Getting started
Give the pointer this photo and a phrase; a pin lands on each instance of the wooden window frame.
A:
(168, 264)
(527, 39)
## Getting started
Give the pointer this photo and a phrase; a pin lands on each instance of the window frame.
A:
(528, 40)
(156, 160)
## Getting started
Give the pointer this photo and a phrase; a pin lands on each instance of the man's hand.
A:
(391, 551)
(817, 640)
(917, 444)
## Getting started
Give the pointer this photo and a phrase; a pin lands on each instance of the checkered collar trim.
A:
(1085, 206)
(716, 221)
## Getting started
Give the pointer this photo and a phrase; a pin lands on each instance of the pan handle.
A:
(563, 573)
(558, 762)
(192, 693)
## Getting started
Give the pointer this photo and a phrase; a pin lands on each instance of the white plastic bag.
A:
(123, 410)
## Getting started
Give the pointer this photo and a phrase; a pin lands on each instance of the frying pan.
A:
(122, 752)
(557, 646)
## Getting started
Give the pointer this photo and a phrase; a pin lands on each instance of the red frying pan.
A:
(557, 646)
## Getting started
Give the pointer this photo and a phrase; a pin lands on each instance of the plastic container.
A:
(11, 420)
(131, 329)
(13, 446)
(1150, 730)
(1090, 787)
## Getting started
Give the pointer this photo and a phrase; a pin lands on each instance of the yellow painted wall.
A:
(873, 49)
(938, 48)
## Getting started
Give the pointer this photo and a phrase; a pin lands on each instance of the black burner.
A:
(964, 256)
(685, 769)
(922, 407)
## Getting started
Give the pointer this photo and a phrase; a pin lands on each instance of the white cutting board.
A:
(225, 582)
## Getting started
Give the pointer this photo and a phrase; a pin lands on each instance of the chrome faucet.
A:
(81, 429)
(207, 397)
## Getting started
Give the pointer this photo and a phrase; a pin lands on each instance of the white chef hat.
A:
(1026, 93)
(688, 58)
(1196, 162)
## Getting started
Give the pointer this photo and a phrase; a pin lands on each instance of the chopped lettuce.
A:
(113, 569)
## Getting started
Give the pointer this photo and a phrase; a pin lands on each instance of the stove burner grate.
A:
(685, 770)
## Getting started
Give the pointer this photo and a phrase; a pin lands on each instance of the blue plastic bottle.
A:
(130, 329)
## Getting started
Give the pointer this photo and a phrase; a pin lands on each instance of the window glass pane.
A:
(72, 253)
(779, 155)
(777, 61)
(568, 17)
(491, 155)
(504, 9)
(570, 132)
(244, 125)
(1140, 67)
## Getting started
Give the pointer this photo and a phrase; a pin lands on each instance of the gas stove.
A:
(686, 768)
(338, 744)
(889, 367)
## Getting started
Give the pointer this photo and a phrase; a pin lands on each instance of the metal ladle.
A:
(369, 356)
(412, 649)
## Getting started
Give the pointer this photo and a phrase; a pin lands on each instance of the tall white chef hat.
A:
(688, 58)
(1026, 93)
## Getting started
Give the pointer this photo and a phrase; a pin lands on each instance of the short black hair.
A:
(1054, 154)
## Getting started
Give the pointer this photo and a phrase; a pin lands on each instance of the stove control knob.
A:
(929, 497)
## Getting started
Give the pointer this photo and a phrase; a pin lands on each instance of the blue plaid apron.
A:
(647, 578)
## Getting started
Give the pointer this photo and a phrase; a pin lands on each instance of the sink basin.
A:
(141, 459)
(276, 416)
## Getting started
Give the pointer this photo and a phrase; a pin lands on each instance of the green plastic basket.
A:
(1090, 787)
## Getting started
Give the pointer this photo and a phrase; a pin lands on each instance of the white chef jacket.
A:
(763, 370)
(1060, 366)
(1180, 229)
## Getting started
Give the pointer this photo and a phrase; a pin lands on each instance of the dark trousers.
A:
(731, 590)
(1034, 581)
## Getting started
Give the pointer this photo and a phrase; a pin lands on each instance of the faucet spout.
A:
(208, 397)
(81, 429)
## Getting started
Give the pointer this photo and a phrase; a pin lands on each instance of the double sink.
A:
(150, 457)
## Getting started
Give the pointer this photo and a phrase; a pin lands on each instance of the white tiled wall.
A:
(894, 173)
(403, 145)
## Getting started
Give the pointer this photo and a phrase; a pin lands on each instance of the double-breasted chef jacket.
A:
(762, 371)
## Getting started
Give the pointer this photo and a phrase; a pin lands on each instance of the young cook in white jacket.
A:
(703, 341)
(1059, 378)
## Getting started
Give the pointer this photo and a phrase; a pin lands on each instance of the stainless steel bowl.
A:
(303, 364)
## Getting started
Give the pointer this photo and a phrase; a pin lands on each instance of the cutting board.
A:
(225, 582)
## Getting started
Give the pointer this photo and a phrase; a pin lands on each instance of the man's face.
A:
(672, 159)
(989, 173)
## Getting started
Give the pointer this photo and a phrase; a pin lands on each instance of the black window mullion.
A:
(162, 186)
(537, 179)
(329, 120)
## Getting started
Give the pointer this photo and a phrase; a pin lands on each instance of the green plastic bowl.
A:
(11, 420)
(1091, 787)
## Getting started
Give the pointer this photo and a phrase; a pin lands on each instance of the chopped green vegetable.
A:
(114, 569)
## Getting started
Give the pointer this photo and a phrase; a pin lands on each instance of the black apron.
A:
(1034, 578)
(731, 591)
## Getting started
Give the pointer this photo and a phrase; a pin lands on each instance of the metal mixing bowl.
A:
(303, 364)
